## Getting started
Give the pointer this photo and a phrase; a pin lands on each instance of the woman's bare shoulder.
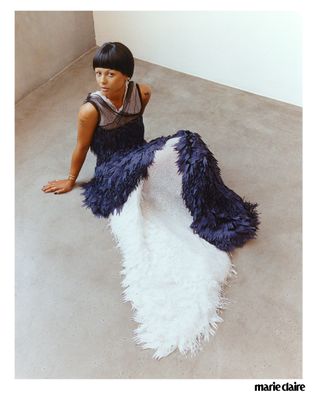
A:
(88, 111)
(145, 93)
(145, 89)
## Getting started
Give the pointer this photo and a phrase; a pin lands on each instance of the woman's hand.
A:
(58, 186)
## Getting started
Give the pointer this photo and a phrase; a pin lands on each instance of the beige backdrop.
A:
(46, 42)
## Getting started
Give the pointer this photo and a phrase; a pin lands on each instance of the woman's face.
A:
(111, 82)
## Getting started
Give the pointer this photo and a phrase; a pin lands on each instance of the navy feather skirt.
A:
(220, 216)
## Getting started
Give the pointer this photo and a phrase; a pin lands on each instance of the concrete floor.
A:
(70, 320)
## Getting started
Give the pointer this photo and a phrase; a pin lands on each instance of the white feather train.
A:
(172, 277)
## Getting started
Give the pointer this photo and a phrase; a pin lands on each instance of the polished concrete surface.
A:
(70, 319)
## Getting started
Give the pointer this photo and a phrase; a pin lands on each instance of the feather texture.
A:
(174, 220)
(172, 278)
(220, 216)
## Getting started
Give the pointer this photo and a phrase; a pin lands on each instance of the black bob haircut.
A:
(116, 56)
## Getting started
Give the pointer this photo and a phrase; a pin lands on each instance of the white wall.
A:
(259, 52)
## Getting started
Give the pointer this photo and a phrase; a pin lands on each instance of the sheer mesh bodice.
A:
(117, 130)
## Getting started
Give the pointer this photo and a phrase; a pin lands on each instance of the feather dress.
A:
(174, 221)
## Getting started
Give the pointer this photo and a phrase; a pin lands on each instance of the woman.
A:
(172, 217)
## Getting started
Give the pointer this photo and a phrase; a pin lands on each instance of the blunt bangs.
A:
(116, 56)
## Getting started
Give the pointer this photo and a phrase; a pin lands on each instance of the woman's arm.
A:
(87, 121)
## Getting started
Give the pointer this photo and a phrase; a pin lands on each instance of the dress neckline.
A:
(110, 103)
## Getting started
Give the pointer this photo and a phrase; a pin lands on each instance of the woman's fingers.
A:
(49, 188)
(60, 191)
(56, 190)
(50, 184)
(55, 186)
